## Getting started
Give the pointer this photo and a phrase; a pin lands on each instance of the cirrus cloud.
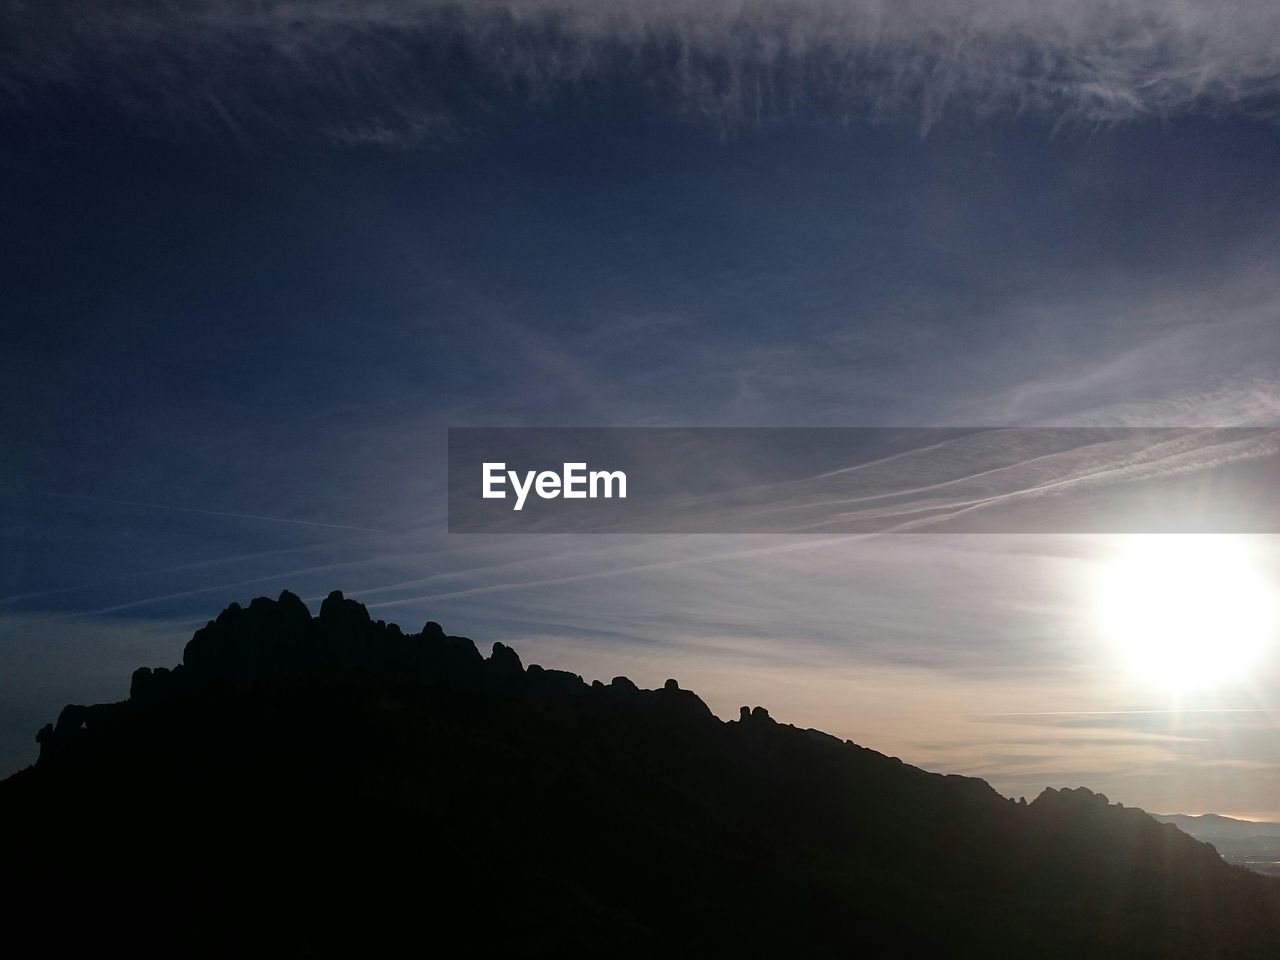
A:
(394, 72)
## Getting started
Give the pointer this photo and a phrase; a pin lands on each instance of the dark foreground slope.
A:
(332, 786)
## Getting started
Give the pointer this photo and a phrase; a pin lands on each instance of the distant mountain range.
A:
(1252, 844)
(1213, 826)
(332, 786)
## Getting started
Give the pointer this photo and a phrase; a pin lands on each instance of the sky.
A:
(256, 258)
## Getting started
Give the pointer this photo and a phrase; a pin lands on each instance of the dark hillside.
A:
(305, 786)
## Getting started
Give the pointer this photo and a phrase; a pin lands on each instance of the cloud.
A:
(404, 71)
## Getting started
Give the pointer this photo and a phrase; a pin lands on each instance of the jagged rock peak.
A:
(1068, 796)
(505, 659)
(337, 611)
(275, 646)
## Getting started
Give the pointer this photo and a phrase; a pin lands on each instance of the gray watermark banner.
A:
(864, 480)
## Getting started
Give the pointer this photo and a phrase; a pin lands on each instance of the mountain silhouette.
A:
(333, 786)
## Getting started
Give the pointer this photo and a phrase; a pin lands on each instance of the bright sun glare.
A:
(1187, 612)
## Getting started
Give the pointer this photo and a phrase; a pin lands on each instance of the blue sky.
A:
(257, 259)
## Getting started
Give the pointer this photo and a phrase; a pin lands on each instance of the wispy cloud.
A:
(397, 71)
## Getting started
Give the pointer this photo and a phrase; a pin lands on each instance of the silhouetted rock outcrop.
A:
(305, 786)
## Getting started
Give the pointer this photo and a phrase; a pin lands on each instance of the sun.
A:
(1187, 612)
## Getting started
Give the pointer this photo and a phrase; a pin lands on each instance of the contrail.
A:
(157, 572)
(209, 513)
(182, 594)
(280, 575)
(839, 471)
(454, 574)
(1124, 471)
(621, 571)
(1138, 457)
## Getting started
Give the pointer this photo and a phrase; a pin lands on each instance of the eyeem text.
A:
(574, 482)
